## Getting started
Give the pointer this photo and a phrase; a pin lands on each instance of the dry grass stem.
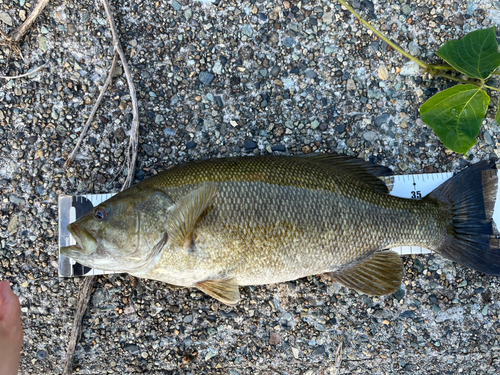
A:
(25, 74)
(134, 136)
(81, 308)
(86, 292)
(92, 114)
(23, 29)
(338, 358)
(15, 37)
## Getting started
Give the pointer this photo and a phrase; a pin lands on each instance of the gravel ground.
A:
(229, 78)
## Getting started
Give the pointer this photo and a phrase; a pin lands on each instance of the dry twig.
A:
(25, 74)
(86, 292)
(15, 37)
(83, 301)
(92, 114)
(338, 357)
(134, 136)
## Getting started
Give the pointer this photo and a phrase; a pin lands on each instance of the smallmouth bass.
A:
(223, 223)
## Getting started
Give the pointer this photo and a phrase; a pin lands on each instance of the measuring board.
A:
(413, 186)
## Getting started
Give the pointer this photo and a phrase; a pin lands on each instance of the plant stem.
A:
(30, 72)
(451, 78)
(491, 88)
(134, 134)
(478, 84)
(383, 37)
(81, 308)
(92, 114)
(441, 67)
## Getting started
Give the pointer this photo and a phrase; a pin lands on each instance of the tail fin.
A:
(469, 198)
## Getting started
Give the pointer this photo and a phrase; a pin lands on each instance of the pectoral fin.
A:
(378, 275)
(186, 213)
(224, 290)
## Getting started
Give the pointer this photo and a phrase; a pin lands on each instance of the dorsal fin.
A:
(377, 275)
(364, 171)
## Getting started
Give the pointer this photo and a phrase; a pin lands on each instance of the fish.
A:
(222, 223)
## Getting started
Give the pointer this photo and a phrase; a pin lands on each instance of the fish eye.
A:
(100, 213)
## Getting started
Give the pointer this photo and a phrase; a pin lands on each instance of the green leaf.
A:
(497, 117)
(475, 55)
(455, 115)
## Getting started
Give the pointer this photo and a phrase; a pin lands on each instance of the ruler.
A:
(413, 186)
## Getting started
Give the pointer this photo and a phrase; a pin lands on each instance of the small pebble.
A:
(275, 71)
(274, 338)
(381, 120)
(328, 17)
(13, 223)
(42, 43)
(320, 350)
(5, 18)
(176, 5)
(407, 314)
(487, 138)
(311, 74)
(219, 101)
(484, 311)
(351, 85)
(249, 144)
(247, 30)
(414, 49)
(206, 78)
(383, 73)
(370, 136)
(190, 145)
(132, 348)
(217, 68)
(211, 352)
(280, 148)
(289, 42)
(411, 68)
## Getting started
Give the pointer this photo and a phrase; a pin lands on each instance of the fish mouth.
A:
(85, 242)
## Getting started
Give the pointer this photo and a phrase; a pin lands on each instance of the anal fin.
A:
(377, 275)
(224, 290)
